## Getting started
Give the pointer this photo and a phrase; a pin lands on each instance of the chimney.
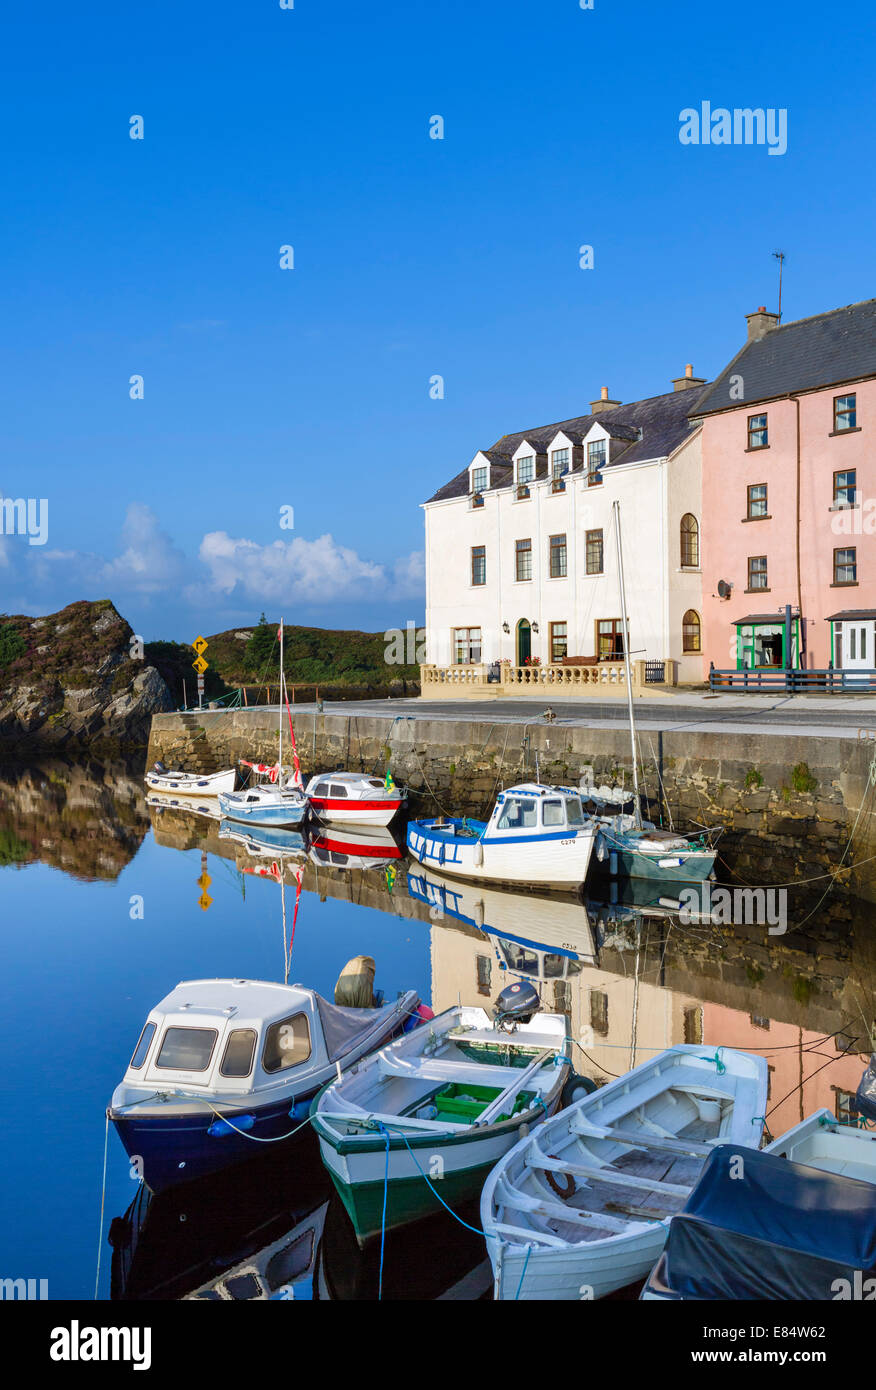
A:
(684, 383)
(596, 407)
(760, 323)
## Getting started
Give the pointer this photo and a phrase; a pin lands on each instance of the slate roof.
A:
(663, 421)
(850, 614)
(825, 350)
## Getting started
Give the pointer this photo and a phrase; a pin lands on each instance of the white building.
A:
(520, 546)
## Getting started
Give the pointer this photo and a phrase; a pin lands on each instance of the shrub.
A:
(12, 644)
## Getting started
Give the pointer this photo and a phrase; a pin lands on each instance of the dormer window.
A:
(478, 479)
(525, 475)
(595, 461)
(559, 467)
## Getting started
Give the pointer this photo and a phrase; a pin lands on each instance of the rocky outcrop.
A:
(76, 678)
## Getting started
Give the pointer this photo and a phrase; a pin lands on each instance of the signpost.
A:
(204, 901)
(200, 646)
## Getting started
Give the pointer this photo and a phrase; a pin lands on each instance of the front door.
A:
(524, 642)
(857, 647)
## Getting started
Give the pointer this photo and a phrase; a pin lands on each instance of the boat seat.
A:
(605, 1174)
(477, 1073)
(678, 1078)
(644, 1140)
(558, 1211)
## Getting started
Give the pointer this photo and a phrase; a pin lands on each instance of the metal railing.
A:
(830, 681)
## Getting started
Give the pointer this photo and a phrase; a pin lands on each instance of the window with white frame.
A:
(595, 461)
(479, 478)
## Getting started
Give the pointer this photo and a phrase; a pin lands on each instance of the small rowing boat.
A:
(159, 779)
(443, 1103)
(354, 798)
(537, 837)
(581, 1207)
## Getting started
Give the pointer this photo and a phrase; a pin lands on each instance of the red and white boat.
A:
(355, 798)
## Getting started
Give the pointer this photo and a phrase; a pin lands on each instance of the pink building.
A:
(789, 496)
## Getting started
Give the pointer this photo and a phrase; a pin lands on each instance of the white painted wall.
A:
(653, 496)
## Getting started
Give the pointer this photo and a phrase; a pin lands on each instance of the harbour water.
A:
(108, 902)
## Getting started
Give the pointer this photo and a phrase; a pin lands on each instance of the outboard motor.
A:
(865, 1097)
(158, 767)
(516, 1004)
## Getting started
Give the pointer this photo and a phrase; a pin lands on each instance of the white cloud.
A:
(150, 562)
(318, 571)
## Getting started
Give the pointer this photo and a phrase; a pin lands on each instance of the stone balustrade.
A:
(602, 678)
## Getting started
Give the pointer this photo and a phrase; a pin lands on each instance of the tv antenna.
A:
(780, 257)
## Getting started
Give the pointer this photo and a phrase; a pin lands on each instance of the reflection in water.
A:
(630, 976)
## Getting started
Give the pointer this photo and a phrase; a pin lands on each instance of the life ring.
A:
(554, 1181)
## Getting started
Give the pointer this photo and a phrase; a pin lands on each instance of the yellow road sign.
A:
(204, 881)
(200, 665)
(204, 901)
(200, 645)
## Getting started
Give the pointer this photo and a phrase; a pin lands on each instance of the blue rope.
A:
(384, 1129)
(523, 1274)
(383, 1220)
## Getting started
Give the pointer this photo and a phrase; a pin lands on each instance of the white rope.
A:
(102, 1205)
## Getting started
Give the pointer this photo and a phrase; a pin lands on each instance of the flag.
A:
(388, 782)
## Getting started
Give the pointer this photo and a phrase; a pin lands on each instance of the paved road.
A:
(819, 717)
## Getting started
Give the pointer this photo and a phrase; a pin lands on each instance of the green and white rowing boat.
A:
(435, 1111)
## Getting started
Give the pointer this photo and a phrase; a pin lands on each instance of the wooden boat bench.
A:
(644, 1140)
(603, 1173)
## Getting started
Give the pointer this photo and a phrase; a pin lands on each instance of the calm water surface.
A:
(82, 856)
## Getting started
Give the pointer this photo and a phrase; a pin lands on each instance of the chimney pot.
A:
(604, 403)
(686, 382)
(604, 393)
(688, 371)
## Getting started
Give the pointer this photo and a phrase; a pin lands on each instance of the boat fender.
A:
(441, 854)
(562, 1183)
(576, 1088)
(600, 849)
(219, 1129)
(300, 1110)
(478, 856)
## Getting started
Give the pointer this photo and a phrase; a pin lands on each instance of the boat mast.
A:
(280, 763)
(637, 809)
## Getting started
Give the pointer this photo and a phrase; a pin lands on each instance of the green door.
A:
(524, 642)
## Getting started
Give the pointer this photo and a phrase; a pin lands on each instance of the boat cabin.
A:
(536, 809)
(234, 1036)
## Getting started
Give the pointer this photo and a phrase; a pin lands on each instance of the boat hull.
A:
(558, 1275)
(674, 866)
(546, 861)
(377, 812)
(263, 813)
(457, 1166)
(191, 785)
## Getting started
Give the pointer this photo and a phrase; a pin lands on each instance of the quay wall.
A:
(795, 808)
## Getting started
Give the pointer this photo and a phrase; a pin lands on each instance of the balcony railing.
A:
(770, 679)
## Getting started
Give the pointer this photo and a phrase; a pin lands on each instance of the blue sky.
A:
(309, 388)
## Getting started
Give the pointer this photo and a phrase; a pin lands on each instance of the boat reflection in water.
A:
(252, 1233)
(353, 847)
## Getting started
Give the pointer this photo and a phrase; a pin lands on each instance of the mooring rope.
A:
(102, 1205)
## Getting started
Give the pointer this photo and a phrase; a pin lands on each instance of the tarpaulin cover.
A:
(779, 1230)
(343, 1027)
(865, 1099)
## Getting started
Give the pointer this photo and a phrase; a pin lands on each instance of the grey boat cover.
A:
(343, 1027)
(779, 1231)
(865, 1098)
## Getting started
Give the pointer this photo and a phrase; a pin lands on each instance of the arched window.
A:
(690, 541)
(690, 632)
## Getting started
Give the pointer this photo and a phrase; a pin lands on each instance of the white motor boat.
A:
(355, 798)
(159, 779)
(222, 1062)
(537, 837)
(581, 1207)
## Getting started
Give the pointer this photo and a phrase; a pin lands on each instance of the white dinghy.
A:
(582, 1206)
(822, 1142)
(159, 779)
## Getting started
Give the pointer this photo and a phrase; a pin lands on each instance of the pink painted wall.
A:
(728, 540)
(780, 1045)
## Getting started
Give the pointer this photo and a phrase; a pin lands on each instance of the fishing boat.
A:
(221, 1063)
(632, 846)
(193, 806)
(581, 1207)
(343, 847)
(354, 798)
(536, 837)
(159, 779)
(805, 1231)
(445, 1102)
